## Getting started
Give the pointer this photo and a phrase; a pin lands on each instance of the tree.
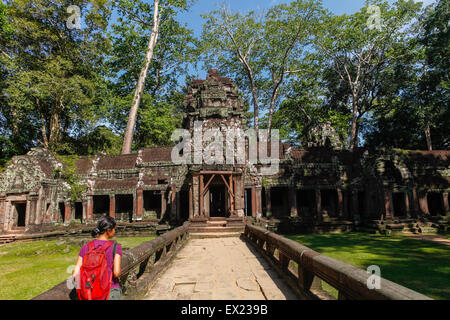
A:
(160, 92)
(163, 13)
(359, 56)
(233, 43)
(54, 76)
(434, 83)
(414, 112)
(262, 50)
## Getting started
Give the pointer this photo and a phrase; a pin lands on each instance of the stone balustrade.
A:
(303, 269)
(140, 266)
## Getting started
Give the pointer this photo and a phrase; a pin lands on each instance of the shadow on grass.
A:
(419, 265)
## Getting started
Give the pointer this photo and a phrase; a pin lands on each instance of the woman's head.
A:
(105, 224)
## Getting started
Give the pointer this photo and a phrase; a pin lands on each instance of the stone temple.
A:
(320, 188)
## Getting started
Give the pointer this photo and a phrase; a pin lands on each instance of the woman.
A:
(105, 230)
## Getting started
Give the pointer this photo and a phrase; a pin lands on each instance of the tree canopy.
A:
(378, 76)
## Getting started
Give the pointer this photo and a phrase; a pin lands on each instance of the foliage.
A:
(69, 174)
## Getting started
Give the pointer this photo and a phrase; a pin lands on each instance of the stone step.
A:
(215, 229)
(215, 235)
(217, 223)
(4, 239)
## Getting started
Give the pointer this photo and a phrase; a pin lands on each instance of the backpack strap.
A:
(114, 250)
(107, 245)
(91, 245)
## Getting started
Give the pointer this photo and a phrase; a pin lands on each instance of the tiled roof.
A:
(116, 184)
(84, 165)
(123, 162)
(157, 154)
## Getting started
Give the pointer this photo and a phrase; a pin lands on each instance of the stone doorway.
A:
(217, 201)
(20, 211)
(435, 204)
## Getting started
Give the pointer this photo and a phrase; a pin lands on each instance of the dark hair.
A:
(104, 224)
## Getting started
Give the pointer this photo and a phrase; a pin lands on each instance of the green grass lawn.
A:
(29, 268)
(418, 265)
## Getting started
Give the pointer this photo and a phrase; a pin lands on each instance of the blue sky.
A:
(194, 21)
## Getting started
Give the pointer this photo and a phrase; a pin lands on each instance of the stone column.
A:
(318, 202)
(195, 195)
(258, 192)
(239, 200)
(90, 208)
(388, 203)
(33, 203)
(173, 203)
(112, 206)
(415, 201)
(163, 203)
(340, 208)
(38, 215)
(27, 212)
(85, 210)
(268, 203)
(2, 212)
(355, 204)
(206, 204)
(253, 202)
(423, 202)
(346, 204)
(191, 204)
(67, 212)
(8, 213)
(139, 204)
(293, 201)
(446, 204)
(201, 197)
(407, 205)
(177, 206)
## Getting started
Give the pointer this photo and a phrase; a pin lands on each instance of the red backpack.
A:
(95, 280)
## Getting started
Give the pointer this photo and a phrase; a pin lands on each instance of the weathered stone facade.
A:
(317, 185)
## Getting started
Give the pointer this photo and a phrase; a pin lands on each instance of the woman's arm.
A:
(117, 269)
(77, 268)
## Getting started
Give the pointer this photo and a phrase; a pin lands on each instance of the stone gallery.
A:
(318, 187)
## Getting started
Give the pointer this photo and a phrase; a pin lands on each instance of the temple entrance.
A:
(217, 201)
(21, 209)
(216, 195)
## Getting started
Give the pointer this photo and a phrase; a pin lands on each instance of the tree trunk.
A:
(128, 138)
(43, 128)
(354, 133)
(55, 128)
(428, 137)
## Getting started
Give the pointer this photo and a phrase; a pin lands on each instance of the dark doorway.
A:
(330, 202)
(279, 199)
(184, 205)
(124, 207)
(435, 204)
(248, 202)
(152, 204)
(306, 202)
(21, 209)
(79, 211)
(62, 211)
(217, 201)
(399, 204)
(101, 206)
